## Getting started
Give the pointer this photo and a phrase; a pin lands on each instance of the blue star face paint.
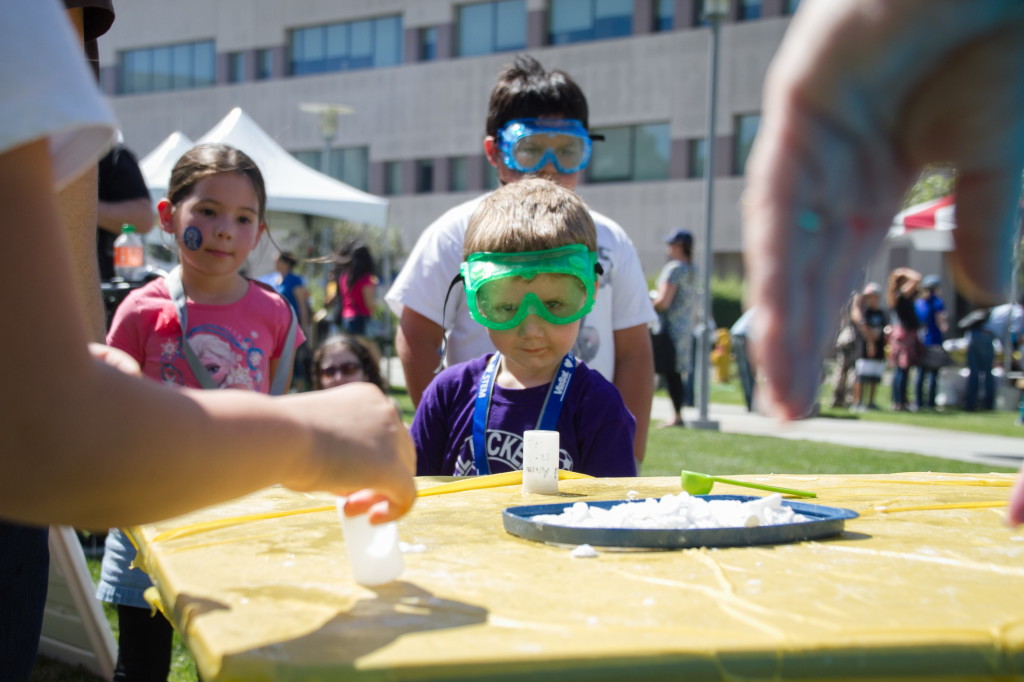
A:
(192, 238)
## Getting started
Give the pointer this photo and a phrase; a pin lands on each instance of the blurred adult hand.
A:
(359, 448)
(861, 95)
(115, 358)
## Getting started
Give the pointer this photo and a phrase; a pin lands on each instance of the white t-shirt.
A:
(49, 90)
(622, 300)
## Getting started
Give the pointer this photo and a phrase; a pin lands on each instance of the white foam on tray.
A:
(682, 511)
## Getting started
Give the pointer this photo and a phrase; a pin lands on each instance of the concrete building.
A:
(418, 73)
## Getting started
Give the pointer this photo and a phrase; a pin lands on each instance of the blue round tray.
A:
(824, 522)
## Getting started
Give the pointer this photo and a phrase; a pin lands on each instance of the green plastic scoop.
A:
(701, 484)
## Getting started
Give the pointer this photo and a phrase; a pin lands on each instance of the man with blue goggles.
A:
(528, 144)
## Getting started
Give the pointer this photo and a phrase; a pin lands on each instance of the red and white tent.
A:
(927, 226)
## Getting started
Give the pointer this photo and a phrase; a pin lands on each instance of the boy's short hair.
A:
(532, 214)
(524, 89)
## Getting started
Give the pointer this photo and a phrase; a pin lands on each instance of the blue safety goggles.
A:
(529, 144)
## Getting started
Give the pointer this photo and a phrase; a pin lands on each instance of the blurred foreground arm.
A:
(88, 445)
(863, 94)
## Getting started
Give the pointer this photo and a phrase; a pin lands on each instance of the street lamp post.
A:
(328, 121)
(328, 114)
(714, 12)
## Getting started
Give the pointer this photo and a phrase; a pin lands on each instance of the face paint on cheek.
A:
(192, 238)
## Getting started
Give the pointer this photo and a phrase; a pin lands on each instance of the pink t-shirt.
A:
(353, 301)
(235, 342)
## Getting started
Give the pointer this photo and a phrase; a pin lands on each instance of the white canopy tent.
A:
(927, 226)
(292, 186)
(156, 166)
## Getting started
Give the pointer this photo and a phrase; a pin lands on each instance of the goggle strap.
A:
(444, 337)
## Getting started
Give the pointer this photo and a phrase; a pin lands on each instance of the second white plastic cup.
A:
(540, 462)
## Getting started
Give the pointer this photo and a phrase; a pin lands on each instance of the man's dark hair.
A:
(526, 90)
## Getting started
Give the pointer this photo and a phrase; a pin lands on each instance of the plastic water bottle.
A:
(129, 255)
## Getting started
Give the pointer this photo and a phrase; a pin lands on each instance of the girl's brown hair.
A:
(205, 160)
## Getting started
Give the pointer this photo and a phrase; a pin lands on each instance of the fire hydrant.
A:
(721, 355)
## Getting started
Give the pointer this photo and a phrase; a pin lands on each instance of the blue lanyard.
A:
(548, 412)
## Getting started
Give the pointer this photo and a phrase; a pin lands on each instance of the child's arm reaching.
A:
(86, 444)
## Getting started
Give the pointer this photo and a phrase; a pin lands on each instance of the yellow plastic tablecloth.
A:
(261, 590)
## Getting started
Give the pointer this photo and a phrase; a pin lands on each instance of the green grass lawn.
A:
(670, 450)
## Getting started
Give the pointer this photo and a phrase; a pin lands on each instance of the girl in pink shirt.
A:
(236, 328)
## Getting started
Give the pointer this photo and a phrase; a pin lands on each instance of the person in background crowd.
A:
(123, 199)
(293, 288)
(981, 355)
(849, 347)
(357, 288)
(905, 348)
(344, 358)
(870, 321)
(675, 299)
(739, 333)
(931, 312)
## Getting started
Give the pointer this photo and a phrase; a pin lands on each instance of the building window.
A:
(697, 151)
(665, 15)
(574, 21)
(458, 174)
(488, 27)
(750, 9)
(631, 154)
(310, 158)
(791, 6)
(428, 44)
(350, 165)
(491, 179)
(236, 67)
(264, 64)
(424, 176)
(171, 67)
(698, 14)
(366, 44)
(746, 129)
(392, 178)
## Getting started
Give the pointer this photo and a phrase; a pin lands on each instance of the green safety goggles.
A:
(556, 284)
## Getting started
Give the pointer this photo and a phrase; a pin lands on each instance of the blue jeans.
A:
(900, 384)
(933, 375)
(355, 325)
(24, 576)
(743, 368)
(980, 356)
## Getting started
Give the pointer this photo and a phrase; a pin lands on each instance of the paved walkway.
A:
(961, 445)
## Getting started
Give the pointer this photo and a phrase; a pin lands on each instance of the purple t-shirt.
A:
(596, 430)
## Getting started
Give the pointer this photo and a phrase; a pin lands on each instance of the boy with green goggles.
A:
(531, 276)
(556, 284)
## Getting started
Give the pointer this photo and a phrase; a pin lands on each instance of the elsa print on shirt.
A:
(230, 363)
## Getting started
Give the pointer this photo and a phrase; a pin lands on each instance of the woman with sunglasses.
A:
(344, 359)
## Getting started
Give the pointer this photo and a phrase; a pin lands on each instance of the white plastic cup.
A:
(373, 551)
(540, 462)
